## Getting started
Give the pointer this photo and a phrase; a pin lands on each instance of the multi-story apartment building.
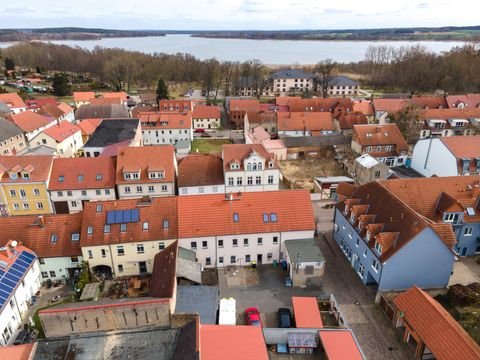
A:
(449, 122)
(304, 123)
(32, 123)
(23, 185)
(166, 128)
(342, 85)
(76, 181)
(146, 171)
(64, 137)
(12, 139)
(206, 117)
(122, 237)
(248, 167)
(246, 228)
(179, 106)
(291, 81)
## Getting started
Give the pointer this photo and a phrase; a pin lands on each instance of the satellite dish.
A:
(14, 243)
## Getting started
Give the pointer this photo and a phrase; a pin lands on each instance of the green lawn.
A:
(206, 146)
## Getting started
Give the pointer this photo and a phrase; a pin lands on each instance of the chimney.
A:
(41, 221)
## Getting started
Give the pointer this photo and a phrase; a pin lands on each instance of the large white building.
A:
(291, 81)
(166, 128)
(240, 229)
(248, 167)
(19, 281)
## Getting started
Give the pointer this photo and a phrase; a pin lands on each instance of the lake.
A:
(274, 52)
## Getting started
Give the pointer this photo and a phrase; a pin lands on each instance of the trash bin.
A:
(274, 263)
(288, 281)
(254, 264)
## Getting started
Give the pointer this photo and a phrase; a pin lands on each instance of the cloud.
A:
(423, 5)
(331, 11)
(18, 11)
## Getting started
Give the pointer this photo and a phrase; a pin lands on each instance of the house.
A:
(304, 123)
(206, 117)
(166, 128)
(305, 262)
(64, 137)
(23, 185)
(258, 135)
(179, 106)
(466, 101)
(14, 102)
(19, 281)
(248, 167)
(248, 86)
(386, 108)
(451, 200)
(290, 81)
(82, 98)
(88, 126)
(344, 122)
(122, 237)
(102, 111)
(146, 172)
(314, 146)
(429, 102)
(239, 229)
(12, 139)
(60, 112)
(32, 123)
(366, 108)
(55, 239)
(383, 142)
(111, 134)
(447, 156)
(389, 244)
(120, 96)
(200, 174)
(449, 122)
(429, 326)
(76, 181)
(336, 106)
(327, 186)
(366, 168)
(35, 104)
(238, 108)
(342, 85)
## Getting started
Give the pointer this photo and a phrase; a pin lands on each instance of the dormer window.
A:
(26, 176)
(352, 217)
(368, 235)
(466, 165)
(61, 178)
(234, 165)
(156, 174)
(451, 218)
(259, 166)
(99, 177)
(131, 175)
(13, 176)
(378, 247)
(270, 164)
(80, 178)
(53, 238)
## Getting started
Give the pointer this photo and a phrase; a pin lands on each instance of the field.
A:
(206, 146)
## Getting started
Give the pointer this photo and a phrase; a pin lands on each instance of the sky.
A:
(238, 14)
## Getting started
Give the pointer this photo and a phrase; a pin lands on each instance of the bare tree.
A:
(323, 71)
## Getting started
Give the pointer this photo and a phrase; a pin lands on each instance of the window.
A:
(247, 258)
(165, 224)
(44, 274)
(208, 261)
(161, 246)
(41, 261)
(98, 192)
(69, 193)
(103, 252)
(123, 227)
(451, 217)
(90, 230)
(127, 190)
(107, 191)
(80, 178)
(361, 271)
(375, 265)
(365, 253)
(73, 204)
(99, 177)
(151, 188)
(74, 259)
(258, 180)
(275, 239)
(233, 259)
(23, 194)
(120, 250)
(269, 256)
(106, 228)
(13, 193)
(26, 176)
(193, 245)
(16, 206)
(53, 274)
(260, 241)
(145, 225)
(59, 193)
(99, 208)
(468, 231)
(164, 188)
(230, 181)
(220, 243)
(220, 260)
(36, 192)
(139, 189)
(357, 243)
(204, 245)
(120, 268)
(270, 179)
(388, 147)
(236, 217)
(26, 206)
(53, 238)
(75, 237)
(235, 242)
(140, 249)
(61, 178)
(239, 181)
(84, 192)
(377, 174)
(273, 217)
(90, 254)
(378, 247)
(249, 180)
(265, 218)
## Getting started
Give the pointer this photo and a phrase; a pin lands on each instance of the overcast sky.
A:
(238, 14)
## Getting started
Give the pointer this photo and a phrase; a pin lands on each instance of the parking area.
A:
(465, 271)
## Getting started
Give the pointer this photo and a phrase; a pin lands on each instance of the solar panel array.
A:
(10, 278)
(123, 216)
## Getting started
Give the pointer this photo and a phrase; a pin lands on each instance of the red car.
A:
(199, 130)
(253, 317)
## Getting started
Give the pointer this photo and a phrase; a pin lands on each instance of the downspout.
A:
(428, 152)
(111, 259)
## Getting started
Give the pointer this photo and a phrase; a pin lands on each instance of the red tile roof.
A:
(239, 152)
(35, 104)
(365, 107)
(62, 131)
(108, 101)
(463, 146)
(94, 173)
(306, 312)
(65, 108)
(206, 112)
(36, 234)
(145, 159)
(241, 342)
(244, 105)
(352, 118)
(319, 104)
(51, 110)
(172, 105)
(386, 134)
(164, 272)
(165, 120)
(154, 211)
(16, 352)
(389, 105)
(200, 170)
(284, 100)
(210, 215)
(29, 121)
(38, 166)
(340, 345)
(445, 114)
(445, 338)
(122, 95)
(83, 96)
(455, 100)
(430, 102)
(13, 100)
(300, 121)
(88, 126)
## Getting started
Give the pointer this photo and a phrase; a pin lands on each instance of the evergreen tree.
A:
(9, 64)
(61, 85)
(162, 91)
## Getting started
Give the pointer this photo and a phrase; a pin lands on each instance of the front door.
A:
(61, 207)
(464, 251)
(142, 267)
(259, 258)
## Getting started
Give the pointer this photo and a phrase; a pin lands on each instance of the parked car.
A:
(284, 318)
(25, 336)
(199, 130)
(253, 317)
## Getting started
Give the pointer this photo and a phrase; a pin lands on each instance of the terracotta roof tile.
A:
(35, 104)
(386, 134)
(122, 95)
(239, 152)
(38, 167)
(16, 352)
(82, 174)
(455, 100)
(206, 112)
(365, 107)
(88, 126)
(106, 101)
(463, 146)
(200, 170)
(319, 104)
(389, 105)
(436, 327)
(209, 215)
(165, 120)
(175, 105)
(244, 105)
(300, 121)
(430, 102)
(65, 108)
(352, 118)
(13, 100)
(164, 272)
(62, 131)
(51, 110)
(29, 121)
(83, 96)
(446, 114)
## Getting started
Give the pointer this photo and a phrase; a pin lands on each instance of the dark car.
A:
(25, 336)
(284, 318)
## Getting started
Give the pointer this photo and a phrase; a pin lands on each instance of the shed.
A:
(198, 299)
(301, 342)
(306, 312)
(339, 345)
(227, 312)
(305, 261)
(327, 186)
(90, 292)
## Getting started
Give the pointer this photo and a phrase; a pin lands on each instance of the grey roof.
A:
(307, 248)
(112, 131)
(4, 109)
(186, 254)
(202, 300)
(316, 141)
(102, 111)
(8, 129)
(342, 81)
(148, 344)
(183, 145)
(291, 74)
(38, 150)
(334, 179)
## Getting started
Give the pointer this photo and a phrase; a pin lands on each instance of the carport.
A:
(306, 312)
(340, 344)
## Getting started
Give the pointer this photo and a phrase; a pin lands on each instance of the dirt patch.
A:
(241, 276)
(209, 277)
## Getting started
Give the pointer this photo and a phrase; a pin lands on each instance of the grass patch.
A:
(36, 317)
(207, 146)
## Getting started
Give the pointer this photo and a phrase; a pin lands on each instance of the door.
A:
(259, 258)
(142, 267)
(61, 207)
(464, 251)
